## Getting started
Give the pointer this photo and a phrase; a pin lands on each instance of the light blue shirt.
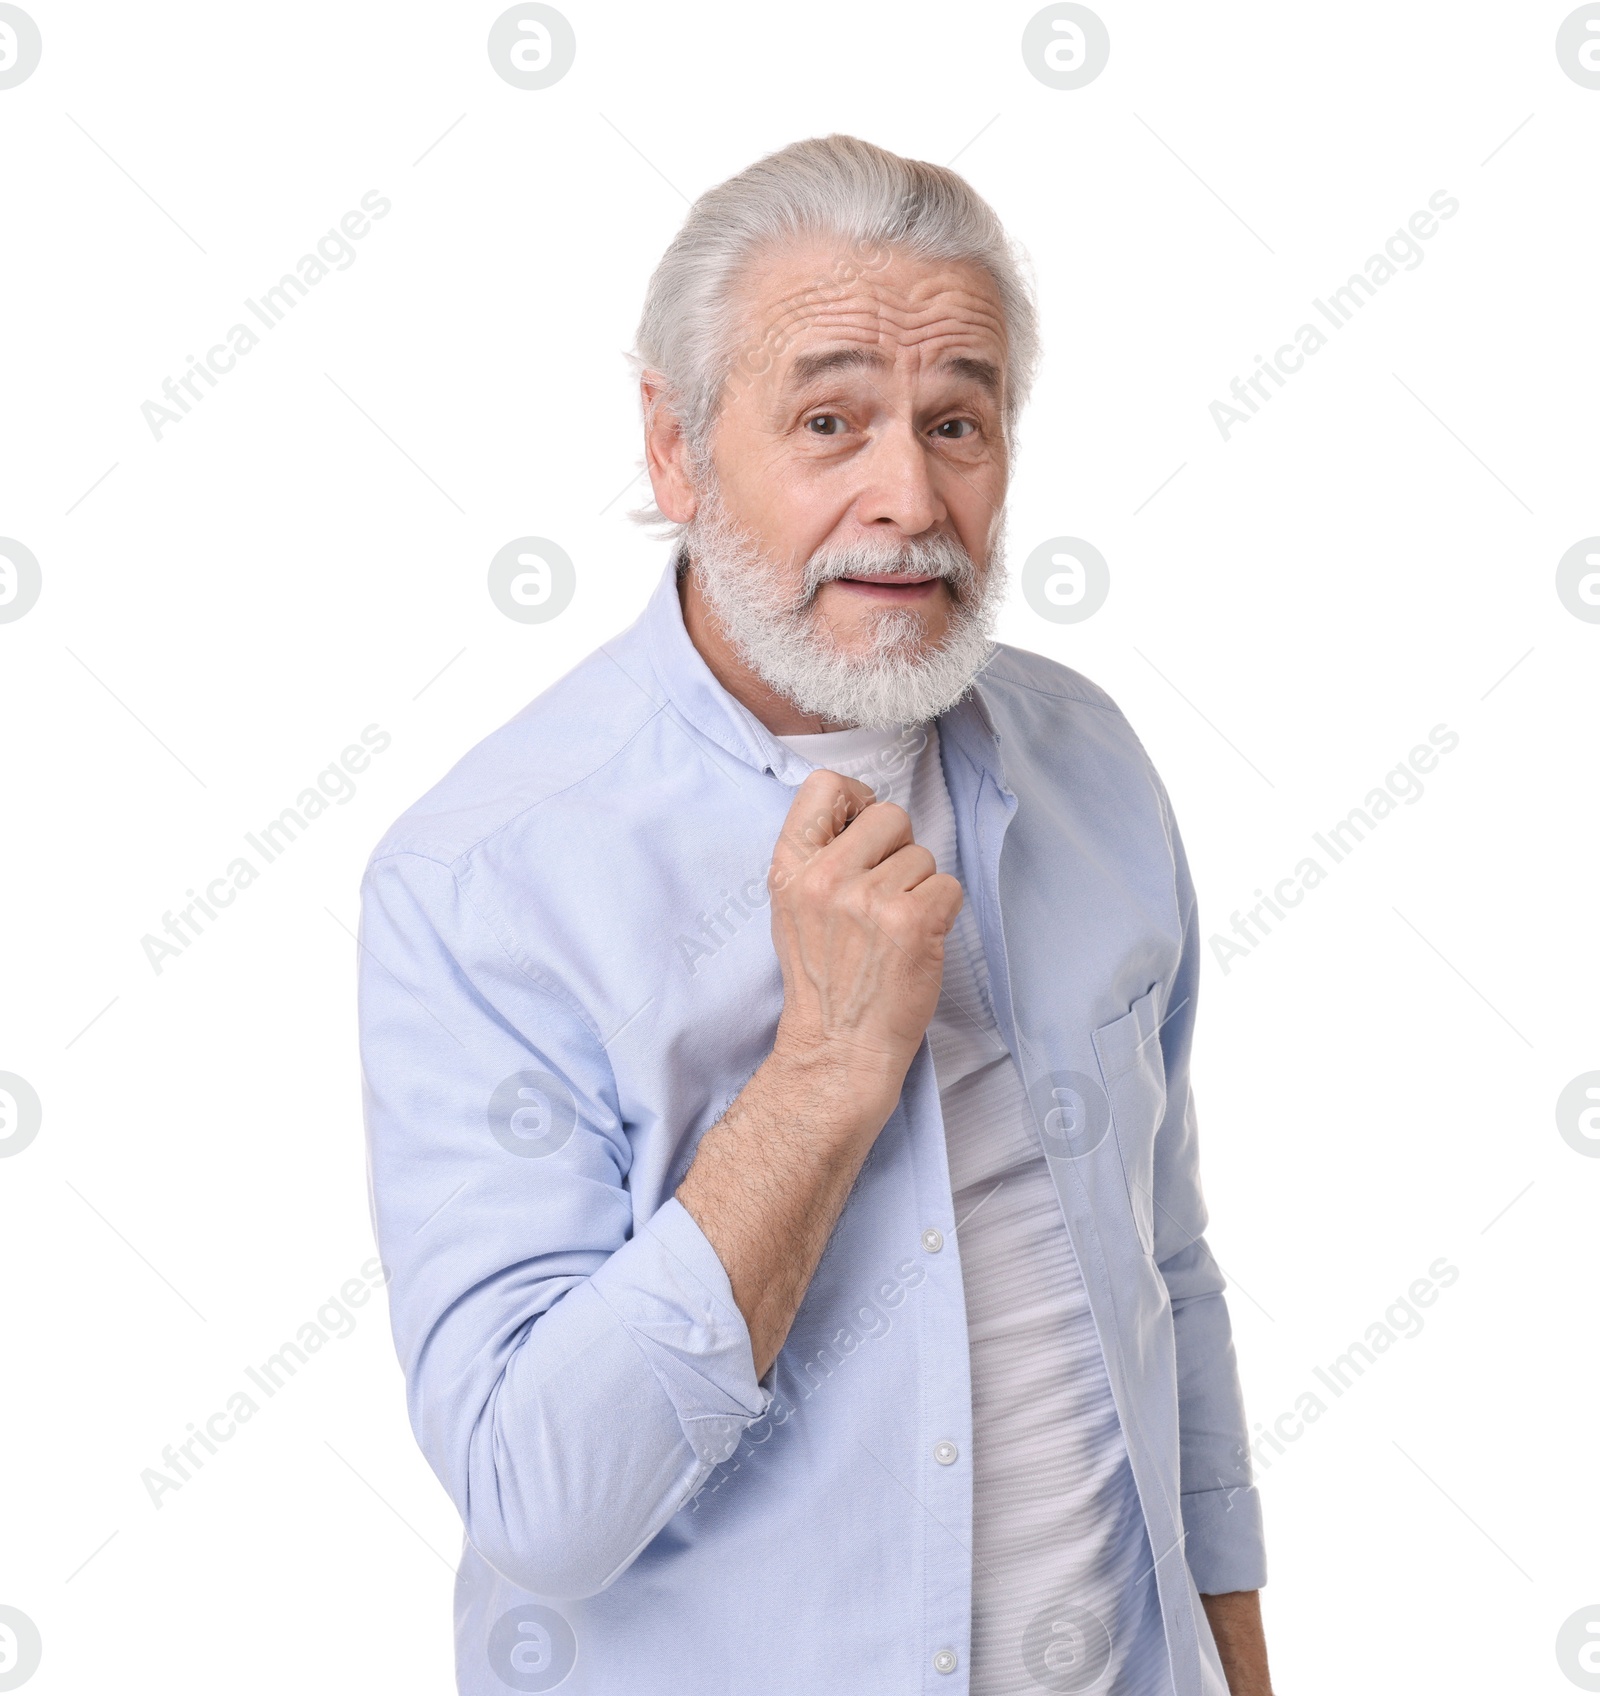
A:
(567, 975)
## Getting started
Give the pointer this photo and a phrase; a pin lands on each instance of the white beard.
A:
(780, 634)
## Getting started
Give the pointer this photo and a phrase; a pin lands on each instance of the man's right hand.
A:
(859, 918)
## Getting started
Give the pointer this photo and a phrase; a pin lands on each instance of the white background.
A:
(305, 554)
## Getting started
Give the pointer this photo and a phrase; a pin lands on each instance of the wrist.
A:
(854, 1088)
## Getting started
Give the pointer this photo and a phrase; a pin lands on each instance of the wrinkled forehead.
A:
(799, 307)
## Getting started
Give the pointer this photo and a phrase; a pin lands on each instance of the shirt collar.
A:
(701, 701)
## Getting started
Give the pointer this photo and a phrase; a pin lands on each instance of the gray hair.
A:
(869, 199)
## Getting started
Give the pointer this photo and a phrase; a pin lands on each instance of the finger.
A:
(823, 806)
(905, 868)
(876, 833)
(943, 896)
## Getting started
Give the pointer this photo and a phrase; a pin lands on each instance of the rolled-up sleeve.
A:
(1223, 1540)
(571, 1377)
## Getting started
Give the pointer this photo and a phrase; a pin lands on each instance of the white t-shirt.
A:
(1056, 1523)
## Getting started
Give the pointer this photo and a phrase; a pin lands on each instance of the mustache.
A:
(939, 556)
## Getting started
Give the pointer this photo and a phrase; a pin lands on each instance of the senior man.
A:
(813, 1300)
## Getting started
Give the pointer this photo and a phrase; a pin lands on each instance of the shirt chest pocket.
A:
(1134, 1075)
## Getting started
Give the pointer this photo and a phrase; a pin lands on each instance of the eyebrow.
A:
(809, 366)
(979, 371)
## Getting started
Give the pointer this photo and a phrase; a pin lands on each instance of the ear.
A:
(666, 453)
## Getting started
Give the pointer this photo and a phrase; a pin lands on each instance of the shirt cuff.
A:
(671, 1292)
(1222, 1540)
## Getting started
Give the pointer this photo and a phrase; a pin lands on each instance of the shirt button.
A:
(932, 1240)
(945, 1453)
(945, 1661)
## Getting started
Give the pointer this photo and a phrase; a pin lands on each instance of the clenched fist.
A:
(859, 920)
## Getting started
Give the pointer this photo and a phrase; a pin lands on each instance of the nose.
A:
(900, 490)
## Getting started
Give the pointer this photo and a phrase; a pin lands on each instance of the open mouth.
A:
(891, 588)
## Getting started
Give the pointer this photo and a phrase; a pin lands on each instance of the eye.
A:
(954, 429)
(824, 424)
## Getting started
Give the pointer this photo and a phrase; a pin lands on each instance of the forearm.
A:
(859, 917)
(1235, 1620)
(770, 1178)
